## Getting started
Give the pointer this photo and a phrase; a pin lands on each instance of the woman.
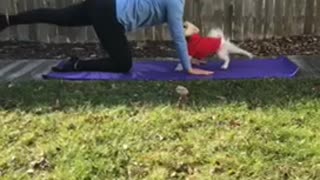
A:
(111, 19)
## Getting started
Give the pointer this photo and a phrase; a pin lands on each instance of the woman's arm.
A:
(175, 11)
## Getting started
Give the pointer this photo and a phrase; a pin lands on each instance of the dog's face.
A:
(190, 29)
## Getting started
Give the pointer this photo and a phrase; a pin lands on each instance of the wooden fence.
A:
(240, 19)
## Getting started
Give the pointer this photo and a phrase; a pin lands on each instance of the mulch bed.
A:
(294, 45)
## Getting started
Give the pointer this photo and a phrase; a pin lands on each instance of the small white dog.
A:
(215, 43)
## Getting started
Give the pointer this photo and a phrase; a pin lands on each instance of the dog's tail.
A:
(218, 33)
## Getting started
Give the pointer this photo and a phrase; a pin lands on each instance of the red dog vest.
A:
(203, 47)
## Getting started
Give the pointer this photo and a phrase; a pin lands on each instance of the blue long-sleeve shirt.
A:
(134, 14)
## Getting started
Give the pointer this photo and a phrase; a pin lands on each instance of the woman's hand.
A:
(196, 71)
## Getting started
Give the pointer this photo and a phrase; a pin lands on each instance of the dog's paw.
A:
(225, 66)
(251, 56)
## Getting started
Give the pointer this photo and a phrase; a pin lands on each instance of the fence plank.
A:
(227, 17)
(301, 6)
(248, 18)
(257, 19)
(23, 30)
(308, 17)
(238, 23)
(317, 31)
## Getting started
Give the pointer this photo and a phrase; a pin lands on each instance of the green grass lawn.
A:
(227, 130)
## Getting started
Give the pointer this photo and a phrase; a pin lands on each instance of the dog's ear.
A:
(197, 30)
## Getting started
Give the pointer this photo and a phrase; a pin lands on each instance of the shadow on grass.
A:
(56, 95)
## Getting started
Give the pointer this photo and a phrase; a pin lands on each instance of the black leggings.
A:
(101, 14)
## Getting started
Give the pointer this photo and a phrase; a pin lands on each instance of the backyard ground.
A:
(294, 45)
(248, 129)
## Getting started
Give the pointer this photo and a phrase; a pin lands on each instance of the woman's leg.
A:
(74, 15)
(113, 39)
(3, 22)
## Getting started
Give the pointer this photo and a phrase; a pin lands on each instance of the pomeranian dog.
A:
(215, 43)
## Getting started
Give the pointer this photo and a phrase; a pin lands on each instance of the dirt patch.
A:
(294, 45)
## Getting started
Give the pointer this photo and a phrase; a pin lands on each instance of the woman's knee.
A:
(124, 65)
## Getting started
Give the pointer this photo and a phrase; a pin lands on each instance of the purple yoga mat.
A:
(149, 70)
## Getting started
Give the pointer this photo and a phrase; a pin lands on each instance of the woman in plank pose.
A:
(111, 19)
